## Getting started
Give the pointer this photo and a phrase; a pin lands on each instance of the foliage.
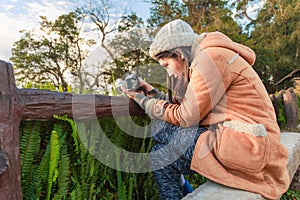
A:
(281, 115)
(164, 11)
(129, 45)
(291, 194)
(203, 16)
(57, 165)
(278, 47)
(98, 12)
(126, 48)
(46, 86)
(52, 52)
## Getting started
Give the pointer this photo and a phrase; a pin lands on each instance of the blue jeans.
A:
(171, 156)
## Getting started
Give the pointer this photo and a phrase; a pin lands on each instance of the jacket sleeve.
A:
(208, 83)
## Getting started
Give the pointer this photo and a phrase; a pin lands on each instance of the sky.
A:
(16, 15)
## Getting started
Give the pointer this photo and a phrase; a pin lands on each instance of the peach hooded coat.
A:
(241, 148)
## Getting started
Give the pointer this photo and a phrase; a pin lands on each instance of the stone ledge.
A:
(215, 191)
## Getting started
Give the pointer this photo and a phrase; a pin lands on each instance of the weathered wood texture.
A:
(41, 104)
(290, 108)
(10, 184)
(30, 104)
(289, 101)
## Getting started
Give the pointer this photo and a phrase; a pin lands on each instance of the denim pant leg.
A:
(171, 156)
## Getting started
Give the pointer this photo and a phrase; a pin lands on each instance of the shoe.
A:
(187, 188)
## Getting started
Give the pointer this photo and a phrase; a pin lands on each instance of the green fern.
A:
(63, 169)
(74, 129)
(130, 188)
(36, 186)
(81, 181)
(54, 157)
(29, 148)
(63, 179)
(121, 192)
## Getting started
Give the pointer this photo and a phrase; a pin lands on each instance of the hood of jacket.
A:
(218, 39)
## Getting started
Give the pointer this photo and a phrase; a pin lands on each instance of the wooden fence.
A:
(17, 105)
(286, 108)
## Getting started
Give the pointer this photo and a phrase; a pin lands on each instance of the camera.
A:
(131, 83)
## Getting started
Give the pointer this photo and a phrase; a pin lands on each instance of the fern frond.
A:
(63, 173)
(54, 157)
(130, 188)
(121, 187)
(74, 130)
(29, 148)
(36, 186)
(63, 179)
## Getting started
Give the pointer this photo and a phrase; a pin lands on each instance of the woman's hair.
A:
(175, 53)
(177, 86)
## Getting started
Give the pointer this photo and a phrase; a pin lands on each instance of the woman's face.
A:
(174, 66)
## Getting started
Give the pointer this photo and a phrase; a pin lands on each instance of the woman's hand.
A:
(145, 85)
(149, 90)
(132, 94)
(146, 88)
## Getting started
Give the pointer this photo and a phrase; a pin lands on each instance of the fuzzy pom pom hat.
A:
(176, 33)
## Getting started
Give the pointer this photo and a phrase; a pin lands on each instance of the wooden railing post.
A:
(10, 172)
(22, 104)
(290, 109)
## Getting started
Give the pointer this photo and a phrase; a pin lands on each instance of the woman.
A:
(220, 121)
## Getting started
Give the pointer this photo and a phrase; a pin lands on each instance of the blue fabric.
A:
(171, 156)
(187, 188)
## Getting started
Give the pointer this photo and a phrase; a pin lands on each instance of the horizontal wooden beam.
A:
(42, 104)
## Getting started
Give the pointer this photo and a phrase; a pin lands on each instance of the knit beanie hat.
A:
(176, 33)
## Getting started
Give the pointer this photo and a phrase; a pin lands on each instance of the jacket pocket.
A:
(240, 150)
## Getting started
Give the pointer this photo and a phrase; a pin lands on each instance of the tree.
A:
(214, 15)
(123, 38)
(164, 11)
(243, 8)
(99, 13)
(51, 53)
(129, 45)
(203, 16)
(279, 44)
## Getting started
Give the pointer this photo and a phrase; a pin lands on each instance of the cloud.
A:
(51, 9)
(8, 6)
(18, 15)
(10, 28)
